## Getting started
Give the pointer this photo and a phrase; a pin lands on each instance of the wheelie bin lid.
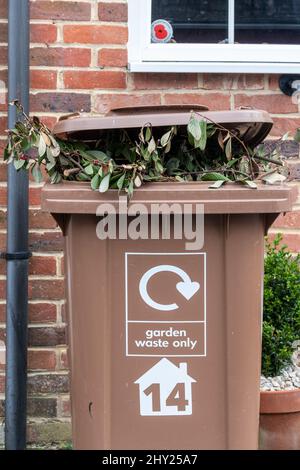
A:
(250, 125)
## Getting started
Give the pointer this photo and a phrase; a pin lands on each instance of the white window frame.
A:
(143, 56)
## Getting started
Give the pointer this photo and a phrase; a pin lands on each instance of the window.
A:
(214, 36)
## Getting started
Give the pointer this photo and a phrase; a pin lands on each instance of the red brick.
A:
(159, 81)
(112, 12)
(3, 32)
(60, 57)
(89, 79)
(43, 79)
(3, 9)
(77, 11)
(47, 383)
(41, 360)
(3, 55)
(274, 82)
(45, 242)
(272, 103)
(39, 219)
(292, 240)
(60, 102)
(38, 312)
(290, 220)
(3, 196)
(3, 124)
(35, 196)
(40, 289)
(64, 363)
(2, 146)
(283, 125)
(2, 220)
(106, 102)
(2, 313)
(43, 33)
(42, 312)
(214, 101)
(43, 265)
(46, 336)
(42, 407)
(95, 34)
(216, 82)
(38, 265)
(112, 58)
(2, 383)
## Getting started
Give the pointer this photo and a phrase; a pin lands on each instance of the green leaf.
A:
(213, 176)
(232, 162)
(36, 173)
(18, 164)
(148, 134)
(42, 146)
(89, 170)
(151, 146)
(104, 185)
(194, 129)
(95, 182)
(98, 155)
(203, 139)
(120, 181)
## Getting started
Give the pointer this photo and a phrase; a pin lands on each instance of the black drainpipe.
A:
(17, 238)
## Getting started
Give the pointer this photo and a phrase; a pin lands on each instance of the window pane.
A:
(267, 21)
(192, 21)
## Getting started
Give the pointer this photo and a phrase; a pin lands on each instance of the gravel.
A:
(289, 379)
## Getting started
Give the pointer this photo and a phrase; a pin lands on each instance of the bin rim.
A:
(72, 197)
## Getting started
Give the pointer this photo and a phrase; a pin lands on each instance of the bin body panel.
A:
(108, 387)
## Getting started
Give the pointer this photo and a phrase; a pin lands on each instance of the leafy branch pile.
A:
(125, 159)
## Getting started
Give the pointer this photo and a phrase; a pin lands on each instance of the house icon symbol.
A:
(166, 390)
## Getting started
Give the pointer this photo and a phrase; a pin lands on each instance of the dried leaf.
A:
(165, 139)
(46, 139)
(217, 184)
(228, 149)
(274, 178)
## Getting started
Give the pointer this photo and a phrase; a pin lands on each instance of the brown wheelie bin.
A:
(165, 342)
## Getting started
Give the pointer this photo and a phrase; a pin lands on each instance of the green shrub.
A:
(281, 322)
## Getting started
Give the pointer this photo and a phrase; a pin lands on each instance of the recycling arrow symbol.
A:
(186, 287)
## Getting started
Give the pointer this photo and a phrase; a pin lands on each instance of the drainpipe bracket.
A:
(17, 255)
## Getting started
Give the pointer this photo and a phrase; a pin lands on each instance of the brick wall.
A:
(78, 62)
